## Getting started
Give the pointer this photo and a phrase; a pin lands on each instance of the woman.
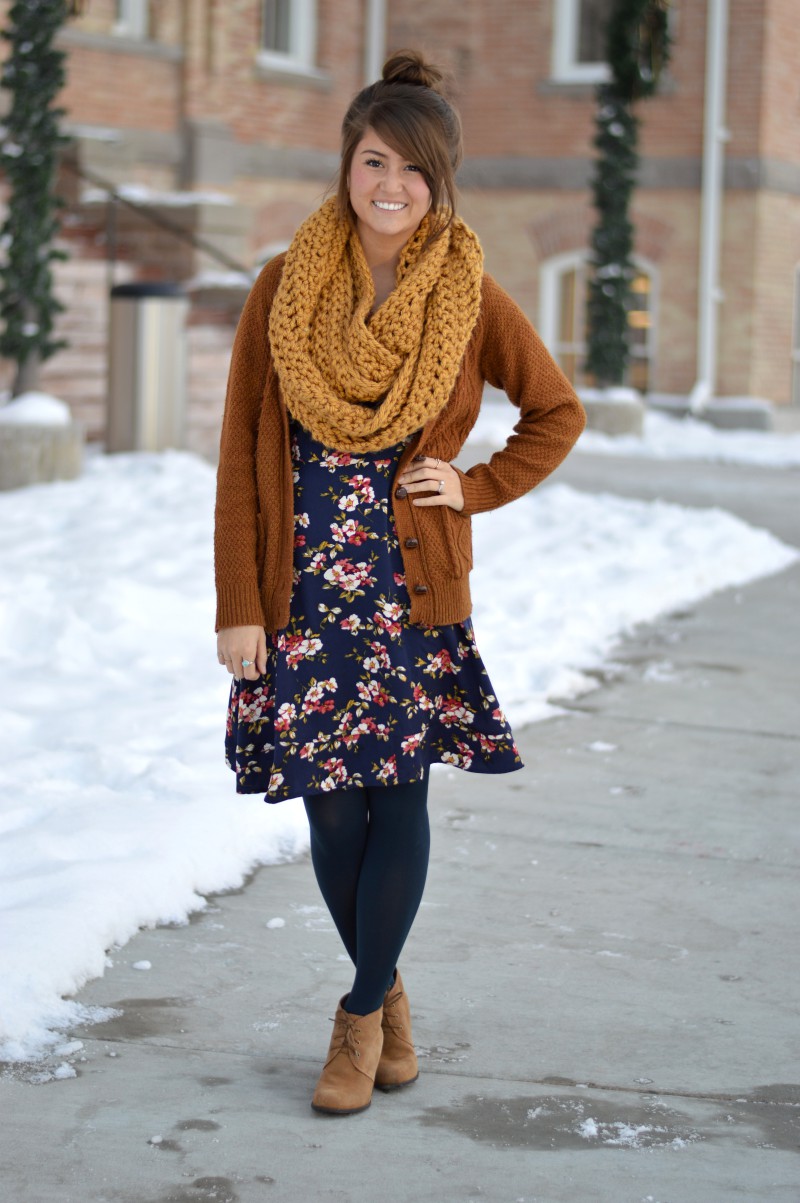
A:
(343, 543)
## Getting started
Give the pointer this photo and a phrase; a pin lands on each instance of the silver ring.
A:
(246, 663)
(441, 487)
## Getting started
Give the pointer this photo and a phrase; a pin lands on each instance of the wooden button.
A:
(412, 543)
(420, 588)
(401, 492)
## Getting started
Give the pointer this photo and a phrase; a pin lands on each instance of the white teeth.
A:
(392, 207)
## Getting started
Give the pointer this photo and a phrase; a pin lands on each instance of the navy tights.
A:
(369, 849)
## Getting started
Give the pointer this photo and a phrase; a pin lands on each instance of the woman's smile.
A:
(390, 195)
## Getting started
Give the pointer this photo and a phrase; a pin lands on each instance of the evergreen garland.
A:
(637, 48)
(29, 145)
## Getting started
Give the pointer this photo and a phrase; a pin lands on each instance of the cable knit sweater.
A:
(254, 529)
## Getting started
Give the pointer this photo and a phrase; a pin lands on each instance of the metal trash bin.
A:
(147, 367)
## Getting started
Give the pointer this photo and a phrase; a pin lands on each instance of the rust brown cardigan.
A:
(254, 530)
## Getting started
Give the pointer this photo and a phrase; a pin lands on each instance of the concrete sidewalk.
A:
(603, 974)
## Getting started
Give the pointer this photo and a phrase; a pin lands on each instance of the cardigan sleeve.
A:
(236, 516)
(513, 358)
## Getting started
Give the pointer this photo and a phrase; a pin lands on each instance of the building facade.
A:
(238, 104)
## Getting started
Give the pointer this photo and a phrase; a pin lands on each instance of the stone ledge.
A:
(613, 411)
(35, 454)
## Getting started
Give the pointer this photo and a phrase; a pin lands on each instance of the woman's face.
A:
(388, 193)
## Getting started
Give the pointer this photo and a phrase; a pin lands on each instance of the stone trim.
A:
(118, 44)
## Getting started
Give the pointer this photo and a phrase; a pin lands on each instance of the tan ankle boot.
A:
(345, 1084)
(398, 1064)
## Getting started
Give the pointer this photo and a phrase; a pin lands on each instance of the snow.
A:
(141, 194)
(663, 438)
(35, 409)
(117, 809)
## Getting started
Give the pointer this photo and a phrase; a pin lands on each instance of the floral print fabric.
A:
(353, 694)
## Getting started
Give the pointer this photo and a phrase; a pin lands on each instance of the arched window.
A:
(562, 318)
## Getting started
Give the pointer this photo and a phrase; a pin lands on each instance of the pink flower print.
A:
(362, 487)
(441, 663)
(313, 701)
(388, 769)
(373, 693)
(253, 706)
(348, 502)
(389, 617)
(350, 578)
(421, 698)
(317, 562)
(380, 653)
(349, 532)
(301, 520)
(399, 579)
(299, 540)
(308, 750)
(275, 781)
(336, 459)
(285, 716)
(487, 743)
(498, 714)
(298, 647)
(411, 743)
(453, 712)
(459, 761)
(352, 623)
(337, 774)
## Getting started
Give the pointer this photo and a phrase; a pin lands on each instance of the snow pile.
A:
(35, 409)
(116, 809)
(663, 438)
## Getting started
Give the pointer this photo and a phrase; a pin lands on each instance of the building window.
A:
(132, 19)
(288, 34)
(562, 320)
(579, 40)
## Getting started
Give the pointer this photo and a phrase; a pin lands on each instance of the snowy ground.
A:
(663, 438)
(116, 809)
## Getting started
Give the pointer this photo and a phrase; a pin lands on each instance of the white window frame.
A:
(550, 272)
(133, 20)
(302, 40)
(565, 65)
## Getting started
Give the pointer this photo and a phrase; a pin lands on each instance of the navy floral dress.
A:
(353, 694)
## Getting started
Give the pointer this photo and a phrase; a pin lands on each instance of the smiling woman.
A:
(343, 538)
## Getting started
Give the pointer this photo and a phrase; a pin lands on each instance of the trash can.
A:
(147, 367)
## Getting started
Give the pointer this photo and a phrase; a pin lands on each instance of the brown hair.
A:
(409, 111)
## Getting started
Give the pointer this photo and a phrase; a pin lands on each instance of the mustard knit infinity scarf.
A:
(332, 361)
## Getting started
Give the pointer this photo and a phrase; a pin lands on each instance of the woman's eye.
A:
(413, 167)
(374, 163)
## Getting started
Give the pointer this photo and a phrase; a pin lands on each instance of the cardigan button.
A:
(401, 492)
(420, 588)
(412, 543)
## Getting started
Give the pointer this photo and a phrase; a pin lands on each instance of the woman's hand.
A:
(243, 651)
(425, 475)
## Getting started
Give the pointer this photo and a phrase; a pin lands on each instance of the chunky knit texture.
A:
(331, 360)
(254, 533)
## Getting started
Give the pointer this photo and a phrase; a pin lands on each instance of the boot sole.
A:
(390, 1086)
(338, 1110)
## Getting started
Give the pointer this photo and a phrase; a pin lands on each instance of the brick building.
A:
(239, 104)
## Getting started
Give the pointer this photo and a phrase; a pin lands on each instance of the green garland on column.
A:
(637, 49)
(29, 146)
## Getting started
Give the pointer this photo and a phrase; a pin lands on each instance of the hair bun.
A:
(409, 67)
